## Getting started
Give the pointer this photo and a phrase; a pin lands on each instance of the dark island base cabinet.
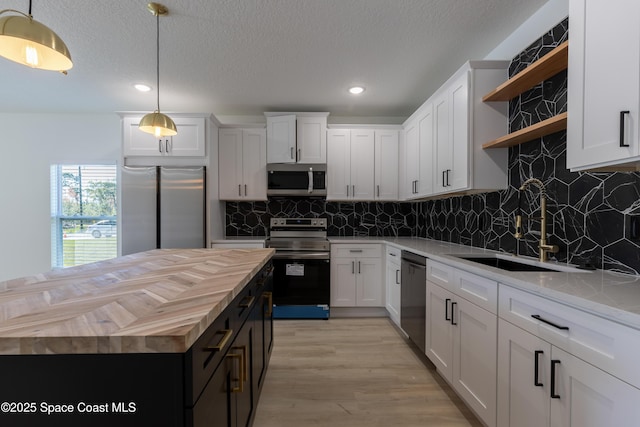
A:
(216, 383)
(230, 396)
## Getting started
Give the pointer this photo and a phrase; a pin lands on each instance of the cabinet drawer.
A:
(440, 274)
(393, 253)
(356, 251)
(477, 289)
(205, 355)
(607, 345)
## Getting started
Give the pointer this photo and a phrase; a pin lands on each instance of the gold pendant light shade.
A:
(158, 124)
(28, 42)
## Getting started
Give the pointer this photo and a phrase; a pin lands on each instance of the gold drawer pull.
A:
(240, 378)
(269, 297)
(247, 304)
(223, 342)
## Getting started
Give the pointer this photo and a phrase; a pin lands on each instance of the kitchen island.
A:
(169, 337)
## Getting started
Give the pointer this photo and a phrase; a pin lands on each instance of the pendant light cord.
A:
(158, 59)
(29, 7)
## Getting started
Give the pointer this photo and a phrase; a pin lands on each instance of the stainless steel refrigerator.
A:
(162, 207)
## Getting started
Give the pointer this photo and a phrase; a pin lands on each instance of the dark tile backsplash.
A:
(594, 217)
(343, 219)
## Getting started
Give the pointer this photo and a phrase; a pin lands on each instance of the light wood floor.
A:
(355, 373)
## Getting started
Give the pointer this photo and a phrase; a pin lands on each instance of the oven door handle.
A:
(301, 255)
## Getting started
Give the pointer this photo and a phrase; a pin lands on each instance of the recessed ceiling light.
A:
(356, 90)
(142, 88)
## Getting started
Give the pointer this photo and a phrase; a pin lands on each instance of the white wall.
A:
(29, 144)
(547, 17)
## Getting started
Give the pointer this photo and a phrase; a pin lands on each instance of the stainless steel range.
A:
(301, 276)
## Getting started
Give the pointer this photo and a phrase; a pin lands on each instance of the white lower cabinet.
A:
(393, 283)
(461, 337)
(356, 276)
(541, 384)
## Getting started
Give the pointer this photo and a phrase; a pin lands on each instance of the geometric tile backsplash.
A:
(593, 217)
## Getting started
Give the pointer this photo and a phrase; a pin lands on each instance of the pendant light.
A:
(157, 123)
(26, 41)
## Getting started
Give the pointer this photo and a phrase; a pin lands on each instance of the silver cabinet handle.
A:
(378, 189)
(347, 191)
(245, 189)
(160, 146)
(239, 190)
(299, 155)
(353, 191)
(397, 278)
(359, 270)
(292, 154)
(355, 251)
(166, 145)
(353, 267)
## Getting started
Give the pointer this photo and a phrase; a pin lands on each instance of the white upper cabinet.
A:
(362, 164)
(189, 142)
(242, 166)
(350, 164)
(417, 179)
(451, 159)
(603, 84)
(297, 138)
(443, 138)
(386, 165)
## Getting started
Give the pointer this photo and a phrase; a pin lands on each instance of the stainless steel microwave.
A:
(296, 179)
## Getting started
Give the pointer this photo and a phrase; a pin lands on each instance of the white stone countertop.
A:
(610, 295)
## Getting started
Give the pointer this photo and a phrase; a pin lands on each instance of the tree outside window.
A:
(84, 214)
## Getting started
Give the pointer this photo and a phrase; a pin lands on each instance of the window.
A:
(84, 225)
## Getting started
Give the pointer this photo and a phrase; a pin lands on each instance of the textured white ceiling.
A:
(243, 57)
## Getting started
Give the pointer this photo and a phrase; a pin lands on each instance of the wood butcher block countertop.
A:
(158, 301)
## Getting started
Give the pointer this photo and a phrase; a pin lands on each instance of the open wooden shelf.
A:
(538, 130)
(547, 66)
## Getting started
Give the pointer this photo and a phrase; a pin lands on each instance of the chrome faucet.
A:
(543, 246)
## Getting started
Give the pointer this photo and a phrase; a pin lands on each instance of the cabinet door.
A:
(230, 164)
(425, 153)
(412, 160)
(589, 397)
(523, 378)
(393, 289)
(439, 335)
(603, 82)
(254, 164)
(312, 139)
(386, 165)
(343, 282)
(244, 398)
(443, 153)
(281, 139)
(338, 164)
(190, 140)
(458, 177)
(369, 283)
(474, 357)
(138, 143)
(215, 403)
(362, 164)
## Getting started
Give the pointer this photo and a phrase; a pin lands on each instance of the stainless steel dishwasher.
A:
(413, 294)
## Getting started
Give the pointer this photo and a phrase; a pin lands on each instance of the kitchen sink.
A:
(513, 263)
